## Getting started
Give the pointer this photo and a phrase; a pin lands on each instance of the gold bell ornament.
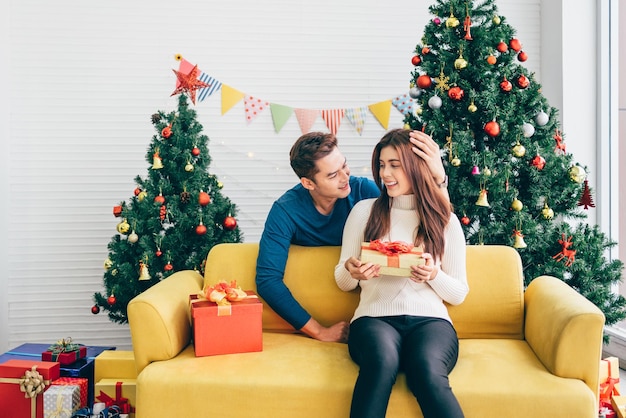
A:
(482, 198)
(519, 239)
(157, 162)
(144, 274)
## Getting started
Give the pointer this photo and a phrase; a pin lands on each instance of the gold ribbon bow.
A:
(32, 383)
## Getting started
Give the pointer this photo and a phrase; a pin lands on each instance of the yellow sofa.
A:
(526, 354)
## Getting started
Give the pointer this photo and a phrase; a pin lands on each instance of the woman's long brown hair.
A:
(432, 208)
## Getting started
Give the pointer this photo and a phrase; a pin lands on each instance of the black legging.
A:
(425, 349)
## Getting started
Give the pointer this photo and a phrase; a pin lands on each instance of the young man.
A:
(313, 213)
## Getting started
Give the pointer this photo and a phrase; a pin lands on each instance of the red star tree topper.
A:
(189, 83)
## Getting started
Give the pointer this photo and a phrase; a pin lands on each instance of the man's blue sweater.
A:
(293, 219)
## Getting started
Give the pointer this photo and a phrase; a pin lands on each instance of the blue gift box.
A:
(83, 367)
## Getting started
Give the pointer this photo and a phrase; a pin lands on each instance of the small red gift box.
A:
(394, 258)
(226, 329)
(64, 353)
(82, 383)
(22, 383)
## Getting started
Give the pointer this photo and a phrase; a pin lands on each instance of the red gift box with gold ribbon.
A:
(22, 384)
(395, 258)
(230, 328)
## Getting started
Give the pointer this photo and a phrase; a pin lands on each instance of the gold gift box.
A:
(395, 264)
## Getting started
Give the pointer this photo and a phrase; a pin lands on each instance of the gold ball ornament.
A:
(519, 150)
(486, 172)
(460, 63)
(577, 174)
(472, 108)
(142, 195)
(455, 162)
(189, 167)
(220, 185)
(517, 205)
(452, 22)
(496, 20)
(547, 212)
(123, 227)
(108, 264)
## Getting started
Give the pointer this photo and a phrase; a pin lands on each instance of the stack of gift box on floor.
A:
(43, 380)
(612, 403)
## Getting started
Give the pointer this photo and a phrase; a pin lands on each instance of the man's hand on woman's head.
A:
(427, 149)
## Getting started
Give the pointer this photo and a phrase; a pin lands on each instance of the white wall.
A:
(85, 78)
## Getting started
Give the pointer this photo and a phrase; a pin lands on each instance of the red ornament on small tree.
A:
(230, 223)
(111, 300)
(492, 128)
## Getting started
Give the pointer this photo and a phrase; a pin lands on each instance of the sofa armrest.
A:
(564, 329)
(159, 319)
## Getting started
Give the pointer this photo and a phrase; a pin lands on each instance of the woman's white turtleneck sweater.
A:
(391, 295)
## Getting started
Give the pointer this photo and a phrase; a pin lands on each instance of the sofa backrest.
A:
(494, 307)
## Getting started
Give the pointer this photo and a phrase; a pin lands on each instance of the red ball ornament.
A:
(200, 229)
(160, 199)
(424, 81)
(117, 211)
(166, 132)
(425, 50)
(137, 191)
(538, 162)
(195, 151)
(465, 220)
(515, 44)
(95, 309)
(491, 60)
(111, 300)
(522, 56)
(230, 223)
(416, 60)
(506, 85)
(158, 253)
(492, 128)
(522, 81)
(502, 48)
(168, 267)
(456, 93)
(204, 198)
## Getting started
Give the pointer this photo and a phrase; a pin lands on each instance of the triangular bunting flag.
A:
(253, 107)
(214, 86)
(230, 97)
(333, 119)
(381, 111)
(280, 115)
(404, 103)
(356, 117)
(306, 119)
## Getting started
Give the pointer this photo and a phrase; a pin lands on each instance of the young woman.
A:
(402, 323)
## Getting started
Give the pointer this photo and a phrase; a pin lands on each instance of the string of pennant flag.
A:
(254, 106)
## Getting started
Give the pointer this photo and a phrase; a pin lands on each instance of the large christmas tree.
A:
(176, 215)
(511, 179)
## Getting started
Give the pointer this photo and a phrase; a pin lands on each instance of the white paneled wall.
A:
(81, 80)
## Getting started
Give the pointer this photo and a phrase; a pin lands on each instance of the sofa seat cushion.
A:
(296, 376)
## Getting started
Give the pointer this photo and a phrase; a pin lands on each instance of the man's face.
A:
(333, 177)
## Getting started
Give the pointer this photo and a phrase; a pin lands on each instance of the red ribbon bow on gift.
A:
(391, 248)
(608, 389)
(119, 400)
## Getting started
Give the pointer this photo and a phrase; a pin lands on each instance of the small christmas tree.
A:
(511, 180)
(177, 214)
